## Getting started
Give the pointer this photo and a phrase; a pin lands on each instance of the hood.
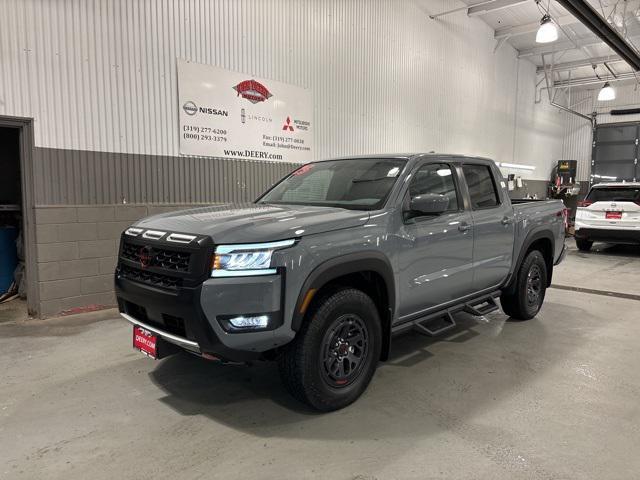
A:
(255, 222)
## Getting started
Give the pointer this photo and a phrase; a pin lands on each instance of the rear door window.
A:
(482, 189)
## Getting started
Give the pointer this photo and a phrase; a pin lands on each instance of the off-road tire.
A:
(530, 287)
(304, 363)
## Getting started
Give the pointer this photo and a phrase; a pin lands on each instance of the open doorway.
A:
(17, 264)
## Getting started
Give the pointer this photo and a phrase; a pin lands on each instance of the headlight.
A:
(247, 259)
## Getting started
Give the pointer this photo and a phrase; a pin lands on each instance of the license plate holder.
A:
(613, 215)
(145, 341)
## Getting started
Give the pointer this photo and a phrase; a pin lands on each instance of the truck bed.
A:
(531, 215)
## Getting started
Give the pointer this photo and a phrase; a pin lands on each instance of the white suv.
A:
(609, 213)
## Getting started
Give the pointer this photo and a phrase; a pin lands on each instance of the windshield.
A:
(614, 194)
(359, 184)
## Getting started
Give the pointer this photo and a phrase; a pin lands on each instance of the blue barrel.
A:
(8, 257)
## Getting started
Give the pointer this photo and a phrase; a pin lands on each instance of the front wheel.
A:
(335, 353)
(526, 300)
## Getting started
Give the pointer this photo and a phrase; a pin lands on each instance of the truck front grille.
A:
(150, 278)
(158, 257)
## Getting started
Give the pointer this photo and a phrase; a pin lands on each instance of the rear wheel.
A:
(335, 353)
(583, 245)
(530, 287)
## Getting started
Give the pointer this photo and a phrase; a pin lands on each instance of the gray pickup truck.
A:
(325, 267)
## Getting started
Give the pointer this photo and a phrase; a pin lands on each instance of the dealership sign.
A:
(229, 114)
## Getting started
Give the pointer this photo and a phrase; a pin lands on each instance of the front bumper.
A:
(609, 235)
(188, 317)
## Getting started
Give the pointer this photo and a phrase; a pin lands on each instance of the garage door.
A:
(615, 152)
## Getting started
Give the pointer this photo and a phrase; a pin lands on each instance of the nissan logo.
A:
(146, 255)
(190, 108)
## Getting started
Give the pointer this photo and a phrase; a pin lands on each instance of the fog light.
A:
(260, 321)
(250, 322)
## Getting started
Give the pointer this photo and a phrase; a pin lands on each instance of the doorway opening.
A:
(17, 264)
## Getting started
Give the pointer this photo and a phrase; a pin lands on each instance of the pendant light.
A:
(548, 32)
(607, 93)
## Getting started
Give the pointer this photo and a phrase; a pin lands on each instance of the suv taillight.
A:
(584, 203)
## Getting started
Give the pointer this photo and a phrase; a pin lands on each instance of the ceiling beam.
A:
(558, 47)
(577, 43)
(563, 67)
(562, 20)
(578, 82)
(532, 27)
(485, 8)
(591, 19)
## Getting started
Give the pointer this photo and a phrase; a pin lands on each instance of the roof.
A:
(616, 184)
(406, 156)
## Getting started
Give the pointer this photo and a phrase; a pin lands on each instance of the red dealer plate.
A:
(144, 341)
(613, 215)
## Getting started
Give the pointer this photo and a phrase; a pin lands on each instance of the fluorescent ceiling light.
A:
(516, 166)
(607, 93)
(547, 32)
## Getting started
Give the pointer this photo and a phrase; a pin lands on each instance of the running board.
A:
(481, 308)
(421, 324)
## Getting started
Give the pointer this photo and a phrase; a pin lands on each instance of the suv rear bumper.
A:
(189, 319)
(608, 235)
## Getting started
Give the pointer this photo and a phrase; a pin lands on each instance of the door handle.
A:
(463, 227)
(506, 221)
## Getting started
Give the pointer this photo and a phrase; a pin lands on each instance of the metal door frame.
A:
(25, 127)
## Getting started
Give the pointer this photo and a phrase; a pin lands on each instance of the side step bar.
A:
(441, 321)
(447, 323)
(482, 307)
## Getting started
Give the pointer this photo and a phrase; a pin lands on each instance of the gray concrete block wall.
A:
(76, 253)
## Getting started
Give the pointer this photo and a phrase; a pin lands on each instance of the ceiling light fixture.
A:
(547, 32)
(607, 93)
(516, 166)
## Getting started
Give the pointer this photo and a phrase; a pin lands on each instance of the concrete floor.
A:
(554, 397)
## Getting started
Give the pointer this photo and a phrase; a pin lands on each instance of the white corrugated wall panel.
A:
(101, 76)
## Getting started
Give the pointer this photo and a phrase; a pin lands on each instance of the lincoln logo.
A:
(146, 256)
(253, 91)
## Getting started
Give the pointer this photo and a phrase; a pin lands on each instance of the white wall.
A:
(102, 75)
(539, 128)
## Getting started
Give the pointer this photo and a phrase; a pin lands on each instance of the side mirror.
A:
(429, 204)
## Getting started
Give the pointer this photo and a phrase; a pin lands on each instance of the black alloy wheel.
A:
(344, 349)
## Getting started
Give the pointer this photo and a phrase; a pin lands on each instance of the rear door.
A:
(611, 207)
(493, 226)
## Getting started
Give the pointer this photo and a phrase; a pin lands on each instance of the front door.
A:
(436, 251)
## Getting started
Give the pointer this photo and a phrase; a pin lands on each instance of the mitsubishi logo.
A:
(287, 125)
